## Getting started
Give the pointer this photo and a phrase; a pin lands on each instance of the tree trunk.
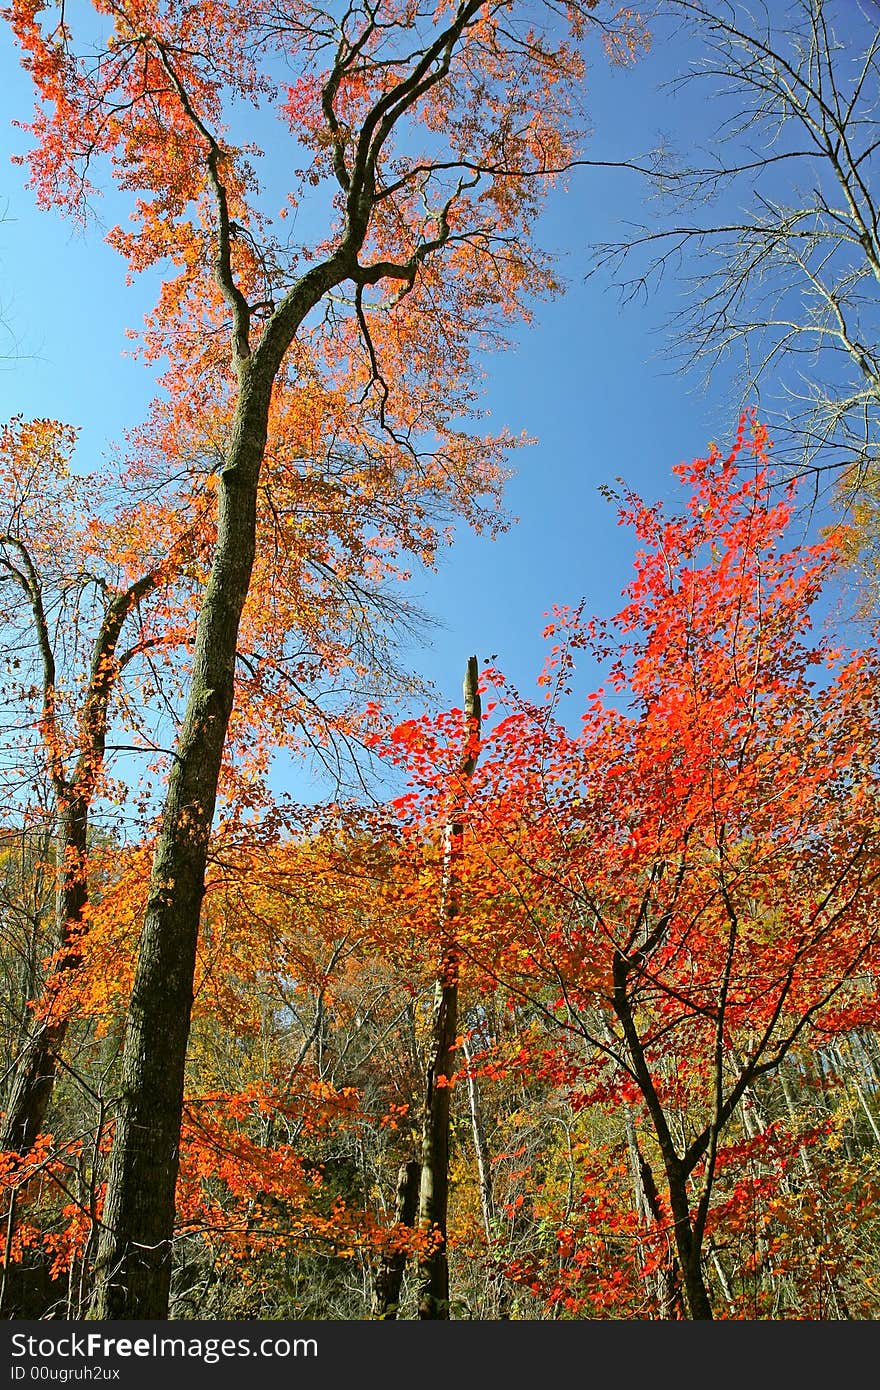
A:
(133, 1268)
(481, 1149)
(434, 1193)
(665, 1285)
(386, 1293)
(699, 1304)
(688, 1246)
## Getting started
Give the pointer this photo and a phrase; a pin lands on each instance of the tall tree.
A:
(688, 888)
(425, 252)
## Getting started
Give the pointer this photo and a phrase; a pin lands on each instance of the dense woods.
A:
(558, 1004)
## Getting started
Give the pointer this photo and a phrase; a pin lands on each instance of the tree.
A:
(687, 887)
(775, 224)
(423, 239)
(443, 1062)
(76, 578)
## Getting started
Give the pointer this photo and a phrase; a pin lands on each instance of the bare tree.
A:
(775, 224)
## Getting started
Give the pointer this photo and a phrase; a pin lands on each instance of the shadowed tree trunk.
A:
(665, 1284)
(386, 1293)
(687, 1228)
(33, 1079)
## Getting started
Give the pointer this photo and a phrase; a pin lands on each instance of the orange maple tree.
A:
(422, 138)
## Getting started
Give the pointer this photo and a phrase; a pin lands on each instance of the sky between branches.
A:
(590, 378)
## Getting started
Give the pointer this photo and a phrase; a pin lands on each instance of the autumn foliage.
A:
(685, 888)
(642, 902)
(666, 924)
(340, 372)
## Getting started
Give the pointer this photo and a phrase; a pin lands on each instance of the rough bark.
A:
(133, 1268)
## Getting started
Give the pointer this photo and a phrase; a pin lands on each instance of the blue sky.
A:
(589, 378)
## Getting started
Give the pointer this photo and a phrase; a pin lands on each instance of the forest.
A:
(322, 999)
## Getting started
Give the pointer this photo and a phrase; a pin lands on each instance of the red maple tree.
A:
(686, 887)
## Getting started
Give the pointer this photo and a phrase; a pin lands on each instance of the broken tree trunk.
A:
(434, 1190)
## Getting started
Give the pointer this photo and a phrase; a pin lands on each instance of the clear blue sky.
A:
(589, 378)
